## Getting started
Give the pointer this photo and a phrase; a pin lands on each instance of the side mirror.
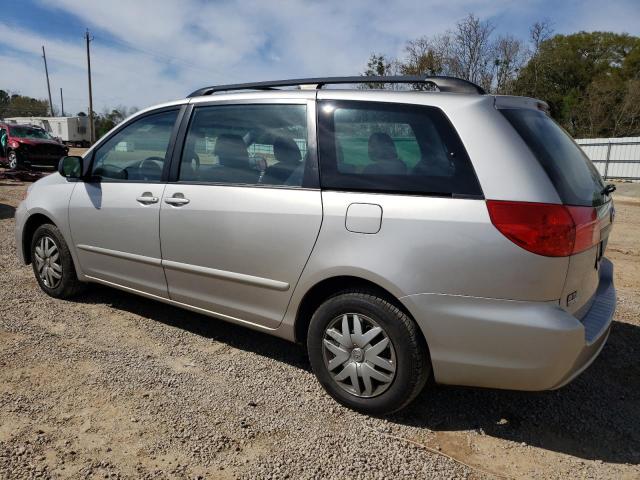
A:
(70, 167)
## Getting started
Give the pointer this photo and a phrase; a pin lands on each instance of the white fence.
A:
(614, 157)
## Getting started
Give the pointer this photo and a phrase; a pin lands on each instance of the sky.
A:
(145, 52)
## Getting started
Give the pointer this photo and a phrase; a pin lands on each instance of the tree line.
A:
(15, 105)
(591, 80)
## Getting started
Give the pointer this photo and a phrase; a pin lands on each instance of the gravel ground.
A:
(116, 386)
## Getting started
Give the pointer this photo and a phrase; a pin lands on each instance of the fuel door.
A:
(363, 218)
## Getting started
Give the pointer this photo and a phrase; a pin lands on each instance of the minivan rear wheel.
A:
(52, 263)
(367, 353)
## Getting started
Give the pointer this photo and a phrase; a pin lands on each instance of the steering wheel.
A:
(149, 169)
(111, 171)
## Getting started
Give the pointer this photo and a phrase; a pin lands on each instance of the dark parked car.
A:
(31, 147)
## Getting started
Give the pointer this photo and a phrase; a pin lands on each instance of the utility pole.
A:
(46, 72)
(91, 125)
(61, 102)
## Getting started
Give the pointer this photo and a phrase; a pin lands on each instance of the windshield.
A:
(576, 179)
(30, 132)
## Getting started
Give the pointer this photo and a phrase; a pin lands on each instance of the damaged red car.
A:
(29, 147)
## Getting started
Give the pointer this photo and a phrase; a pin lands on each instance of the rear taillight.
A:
(544, 228)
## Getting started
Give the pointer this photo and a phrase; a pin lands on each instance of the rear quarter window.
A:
(394, 148)
(575, 178)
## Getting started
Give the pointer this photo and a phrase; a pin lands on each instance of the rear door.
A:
(578, 184)
(240, 220)
(115, 216)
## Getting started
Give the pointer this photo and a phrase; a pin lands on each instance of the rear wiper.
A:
(609, 189)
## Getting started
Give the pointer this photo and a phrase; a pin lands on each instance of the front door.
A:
(115, 216)
(240, 222)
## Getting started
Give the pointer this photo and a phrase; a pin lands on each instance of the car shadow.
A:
(6, 211)
(208, 327)
(596, 417)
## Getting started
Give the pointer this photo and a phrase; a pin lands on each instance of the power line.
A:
(157, 55)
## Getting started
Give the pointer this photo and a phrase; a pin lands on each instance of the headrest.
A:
(231, 151)
(286, 150)
(381, 147)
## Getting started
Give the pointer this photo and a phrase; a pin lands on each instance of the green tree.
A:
(4, 101)
(111, 117)
(589, 81)
(21, 106)
(379, 66)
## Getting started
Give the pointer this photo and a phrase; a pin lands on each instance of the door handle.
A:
(146, 199)
(177, 201)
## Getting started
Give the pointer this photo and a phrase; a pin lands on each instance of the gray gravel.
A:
(116, 386)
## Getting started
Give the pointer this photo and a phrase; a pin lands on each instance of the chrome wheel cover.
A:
(359, 355)
(47, 261)
(13, 160)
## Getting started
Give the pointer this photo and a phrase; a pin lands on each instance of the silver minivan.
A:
(400, 235)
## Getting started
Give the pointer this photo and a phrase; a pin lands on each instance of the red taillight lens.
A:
(587, 227)
(546, 229)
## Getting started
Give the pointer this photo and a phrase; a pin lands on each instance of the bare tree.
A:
(468, 51)
(627, 114)
(423, 58)
(538, 33)
(471, 50)
(509, 57)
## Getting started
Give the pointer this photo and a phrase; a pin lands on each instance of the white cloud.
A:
(181, 45)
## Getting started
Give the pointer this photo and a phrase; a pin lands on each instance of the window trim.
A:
(168, 154)
(310, 183)
(361, 104)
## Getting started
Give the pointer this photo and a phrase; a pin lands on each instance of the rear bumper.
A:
(512, 344)
(597, 323)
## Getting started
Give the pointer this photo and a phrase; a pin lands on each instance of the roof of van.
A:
(442, 83)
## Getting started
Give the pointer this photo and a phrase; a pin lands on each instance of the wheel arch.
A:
(332, 286)
(30, 226)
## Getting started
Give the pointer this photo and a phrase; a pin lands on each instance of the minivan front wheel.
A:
(367, 354)
(52, 263)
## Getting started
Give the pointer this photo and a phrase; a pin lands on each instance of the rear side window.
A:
(574, 176)
(395, 148)
(247, 145)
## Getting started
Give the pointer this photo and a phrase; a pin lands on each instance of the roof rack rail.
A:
(442, 83)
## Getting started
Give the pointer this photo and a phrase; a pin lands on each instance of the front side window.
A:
(136, 153)
(379, 147)
(247, 145)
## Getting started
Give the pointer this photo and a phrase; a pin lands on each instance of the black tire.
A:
(68, 285)
(412, 363)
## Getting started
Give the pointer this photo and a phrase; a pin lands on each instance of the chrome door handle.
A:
(177, 201)
(145, 199)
